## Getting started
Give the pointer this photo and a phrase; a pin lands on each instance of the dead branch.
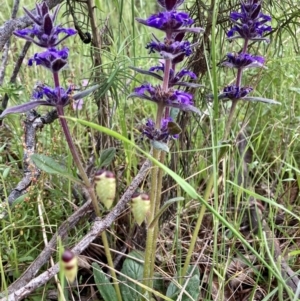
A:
(99, 226)
(32, 123)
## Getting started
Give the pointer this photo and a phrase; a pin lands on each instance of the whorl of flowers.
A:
(173, 49)
(47, 35)
(249, 24)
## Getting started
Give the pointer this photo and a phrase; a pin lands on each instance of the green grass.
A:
(226, 263)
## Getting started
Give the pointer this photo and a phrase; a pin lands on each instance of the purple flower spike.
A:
(52, 59)
(235, 93)
(44, 33)
(243, 60)
(170, 4)
(172, 98)
(163, 134)
(250, 22)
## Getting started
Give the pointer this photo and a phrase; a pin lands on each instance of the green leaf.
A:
(107, 156)
(104, 286)
(260, 99)
(160, 146)
(163, 209)
(191, 286)
(133, 269)
(173, 290)
(85, 93)
(97, 3)
(50, 166)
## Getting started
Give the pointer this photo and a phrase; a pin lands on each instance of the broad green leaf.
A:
(191, 286)
(107, 156)
(133, 269)
(50, 166)
(173, 290)
(104, 286)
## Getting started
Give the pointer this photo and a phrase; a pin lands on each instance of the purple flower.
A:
(163, 134)
(175, 79)
(52, 59)
(170, 4)
(44, 33)
(77, 104)
(171, 98)
(168, 21)
(235, 93)
(250, 22)
(170, 50)
(57, 96)
(243, 60)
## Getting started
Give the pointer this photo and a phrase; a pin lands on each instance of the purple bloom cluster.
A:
(173, 49)
(249, 25)
(163, 134)
(46, 35)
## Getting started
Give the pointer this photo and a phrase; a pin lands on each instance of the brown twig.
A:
(32, 123)
(25, 287)
(7, 44)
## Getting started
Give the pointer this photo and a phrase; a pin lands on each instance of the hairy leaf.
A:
(133, 269)
(50, 166)
(104, 286)
(107, 156)
(85, 93)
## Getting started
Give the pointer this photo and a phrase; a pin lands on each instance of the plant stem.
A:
(154, 202)
(209, 186)
(157, 207)
(87, 183)
(111, 265)
(150, 231)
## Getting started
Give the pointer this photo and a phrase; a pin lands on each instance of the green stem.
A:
(207, 192)
(111, 265)
(150, 231)
(230, 119)
(157, 207)
(154, 202)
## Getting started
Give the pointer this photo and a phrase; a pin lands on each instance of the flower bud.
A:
(105, 185)
(69, 265)
(140, 206)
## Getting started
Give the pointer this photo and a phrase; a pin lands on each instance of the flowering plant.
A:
(173, 50)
